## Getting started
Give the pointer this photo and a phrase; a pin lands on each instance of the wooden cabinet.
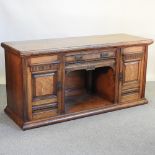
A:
(55, 80)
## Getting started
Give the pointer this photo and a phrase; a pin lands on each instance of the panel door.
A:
(44, 96)
(131, 76)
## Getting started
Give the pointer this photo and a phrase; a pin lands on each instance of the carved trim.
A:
(133, 56)
(90, 65)
(43, 67)
(43, 75)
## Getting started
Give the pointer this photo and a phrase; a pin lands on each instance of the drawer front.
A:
(133, 49)
(79, 57)
(43, 59)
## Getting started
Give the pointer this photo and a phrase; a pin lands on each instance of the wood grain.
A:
(44, 84)
(131, 71)
(55, 80)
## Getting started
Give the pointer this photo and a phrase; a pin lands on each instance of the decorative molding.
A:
(91, 65)
(133, 56)
(43, 67)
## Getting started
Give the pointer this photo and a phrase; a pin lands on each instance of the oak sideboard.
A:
(54, 80)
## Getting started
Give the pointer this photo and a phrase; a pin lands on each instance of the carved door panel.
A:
(44, 88)
(131, 73)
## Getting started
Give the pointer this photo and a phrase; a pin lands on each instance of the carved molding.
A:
(133, 56)
(90, 65)
(43, 67)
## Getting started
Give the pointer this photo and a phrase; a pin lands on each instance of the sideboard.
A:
(54, 80)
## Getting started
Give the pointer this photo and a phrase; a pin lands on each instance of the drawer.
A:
(43, 59)
(133, 49)
(89, 56)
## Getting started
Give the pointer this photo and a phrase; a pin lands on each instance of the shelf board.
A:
(85, 102)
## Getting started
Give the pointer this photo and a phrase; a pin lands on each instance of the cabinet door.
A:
(44, 88)
(131, 76)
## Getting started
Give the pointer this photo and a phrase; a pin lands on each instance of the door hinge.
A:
(59, 85)
(120, 76)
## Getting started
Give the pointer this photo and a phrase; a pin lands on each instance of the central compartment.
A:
(86, 90)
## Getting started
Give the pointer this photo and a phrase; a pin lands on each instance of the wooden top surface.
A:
(44, 46)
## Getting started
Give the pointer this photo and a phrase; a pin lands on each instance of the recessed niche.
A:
(86, 90)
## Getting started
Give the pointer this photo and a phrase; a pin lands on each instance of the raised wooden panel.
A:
(131, 71)
(44, 84)
(130, 97)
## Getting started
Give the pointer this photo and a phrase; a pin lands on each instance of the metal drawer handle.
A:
(102, 55)
(78, 57)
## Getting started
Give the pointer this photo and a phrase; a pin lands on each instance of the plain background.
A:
(40, 19)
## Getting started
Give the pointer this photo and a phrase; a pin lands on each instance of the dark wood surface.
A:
(50, 81)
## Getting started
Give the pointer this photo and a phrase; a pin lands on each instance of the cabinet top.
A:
(44, 46)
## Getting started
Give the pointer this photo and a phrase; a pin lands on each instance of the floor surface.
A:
(125, 132)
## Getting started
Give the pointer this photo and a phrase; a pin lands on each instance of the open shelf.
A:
(85, 102)
(88, 90)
